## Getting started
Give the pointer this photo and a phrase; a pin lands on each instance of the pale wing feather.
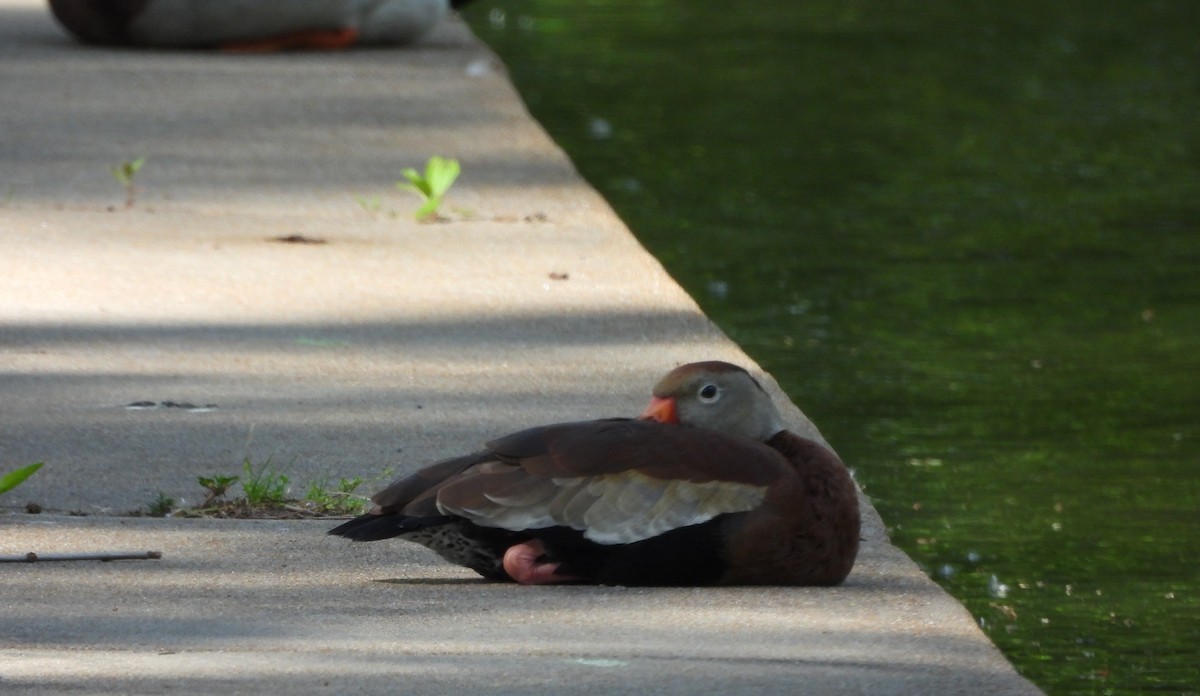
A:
(536, 504)
(527, 492)
(679, 504)
(578, 501)
(610, 509)
(634, 500)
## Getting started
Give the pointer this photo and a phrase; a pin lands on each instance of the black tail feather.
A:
(377, 527)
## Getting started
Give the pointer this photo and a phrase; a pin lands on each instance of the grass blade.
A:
(13, 479)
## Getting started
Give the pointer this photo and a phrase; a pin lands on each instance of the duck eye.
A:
(709, 393)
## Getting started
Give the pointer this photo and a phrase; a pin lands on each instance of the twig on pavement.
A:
(32, 557)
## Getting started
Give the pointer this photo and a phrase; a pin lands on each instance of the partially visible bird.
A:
(251, 25)
(706, 488)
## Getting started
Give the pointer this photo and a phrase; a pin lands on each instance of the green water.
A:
(966, 238)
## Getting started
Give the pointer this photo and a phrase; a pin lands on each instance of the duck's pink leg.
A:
(314, 40)
(521, 563)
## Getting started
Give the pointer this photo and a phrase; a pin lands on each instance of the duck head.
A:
(715, 395)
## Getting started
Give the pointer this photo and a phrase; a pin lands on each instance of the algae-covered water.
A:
(966, 238)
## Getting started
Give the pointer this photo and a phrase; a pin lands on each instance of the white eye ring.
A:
(709, 393)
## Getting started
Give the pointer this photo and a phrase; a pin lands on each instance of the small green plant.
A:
(161, 506)
(264, 485)
(125, 173)
(337, 501)
(440, 174)
(15, 478)
(215, 487)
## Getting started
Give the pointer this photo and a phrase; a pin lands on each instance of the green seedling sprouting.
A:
(160, 506)
(439, 176)
(15, 478)
(264, 485)
(215, 487)
(125, 173)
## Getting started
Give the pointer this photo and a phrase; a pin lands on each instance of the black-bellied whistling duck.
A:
(706, 488)
(251, 25)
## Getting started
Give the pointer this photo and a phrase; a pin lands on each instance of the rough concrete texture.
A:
(387, 345)
(276, 607)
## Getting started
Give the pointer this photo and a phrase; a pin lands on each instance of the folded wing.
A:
(616, 481)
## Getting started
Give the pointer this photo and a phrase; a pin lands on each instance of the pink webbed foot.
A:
(522, 564)
(314, 40)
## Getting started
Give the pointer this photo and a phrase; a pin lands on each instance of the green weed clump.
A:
(161, 506)
(338, 500)
(264, 485)
(265, 495)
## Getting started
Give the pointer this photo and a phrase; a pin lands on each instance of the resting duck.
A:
(251, 25)
(706, 488)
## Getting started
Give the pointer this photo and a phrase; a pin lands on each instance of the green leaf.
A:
(418, 183)
(441, 173)
(13, 479)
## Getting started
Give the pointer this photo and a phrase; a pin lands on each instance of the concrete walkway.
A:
(373, 343)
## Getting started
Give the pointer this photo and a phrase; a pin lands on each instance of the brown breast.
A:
(807, 530)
